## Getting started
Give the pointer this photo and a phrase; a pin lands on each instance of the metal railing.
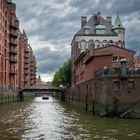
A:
(117, 71)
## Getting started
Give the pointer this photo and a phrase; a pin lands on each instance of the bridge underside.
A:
(42, 90)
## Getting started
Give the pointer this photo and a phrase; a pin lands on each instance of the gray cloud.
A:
(56, 21)
(49, 61)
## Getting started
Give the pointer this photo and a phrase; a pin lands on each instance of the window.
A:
(104, 43)
(100, 32)
(119, 32)
(131, 86)
(111, 42)
(117, 58)
(83, 46)
(97, 44)
(120, 43)
(82, 75)
(90, 43)
(123, 44)
(116, 85)
(86, 31)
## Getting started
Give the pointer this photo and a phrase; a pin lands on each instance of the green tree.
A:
(63, 75)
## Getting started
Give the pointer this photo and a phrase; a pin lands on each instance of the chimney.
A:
(109, 19)
(83, 20)
(97, 18)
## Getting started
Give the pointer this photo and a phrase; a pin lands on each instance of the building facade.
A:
(96, 47)
(11, 49)
(137, 61)
(26, 63)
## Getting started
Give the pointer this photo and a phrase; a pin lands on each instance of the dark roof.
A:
(92, 23)
(117, 47)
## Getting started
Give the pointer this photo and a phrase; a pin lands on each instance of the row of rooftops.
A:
(97, 22)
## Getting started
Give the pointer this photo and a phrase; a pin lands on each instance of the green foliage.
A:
(63, 75)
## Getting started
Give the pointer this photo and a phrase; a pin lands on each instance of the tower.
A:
(120, 30)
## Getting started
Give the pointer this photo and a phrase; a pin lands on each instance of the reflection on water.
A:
(50, 120)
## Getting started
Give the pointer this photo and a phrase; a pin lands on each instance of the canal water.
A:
(38, 119)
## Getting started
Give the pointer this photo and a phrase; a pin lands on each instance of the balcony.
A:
(26, 81)
(32, 73)
(32, 69)
(13, 42)
(13, 60)
(26, 72)
(26, 67)
(13, 51)
(26, 55)
(26, 50)
(32, 65)
(14, 34)
(122, 73)
(26, 61)
(13, 72)
(14, 25)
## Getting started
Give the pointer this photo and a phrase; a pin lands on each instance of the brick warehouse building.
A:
(97, 46)
(27, 63)
(10, 52)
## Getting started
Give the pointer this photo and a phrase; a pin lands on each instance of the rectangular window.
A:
(116, 85)
(131, 86)
(100, 32)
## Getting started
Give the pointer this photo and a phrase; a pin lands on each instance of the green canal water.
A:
(38, 119)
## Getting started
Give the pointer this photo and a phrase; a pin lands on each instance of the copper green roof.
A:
(9, 1)
(86, 27)
(100, 27)
(118, 24)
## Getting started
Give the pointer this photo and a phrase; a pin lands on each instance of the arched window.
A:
(120, 43)
(97, 44)
(111, 42)
(105, 43)
(83, 46)
(123, 44)
(90, 43)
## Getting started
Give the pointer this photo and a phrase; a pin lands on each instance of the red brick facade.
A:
(90, 61)
(104, 77)
(11, 49)
(137, 61)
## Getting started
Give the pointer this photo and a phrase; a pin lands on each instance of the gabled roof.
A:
(92, 23)
(118, 24)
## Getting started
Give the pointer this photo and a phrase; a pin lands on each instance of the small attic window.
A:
(100, 32)
(86, 29)
(100, 29)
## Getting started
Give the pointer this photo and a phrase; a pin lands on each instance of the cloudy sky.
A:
(51, 24)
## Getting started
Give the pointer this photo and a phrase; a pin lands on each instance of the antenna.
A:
(117, 13)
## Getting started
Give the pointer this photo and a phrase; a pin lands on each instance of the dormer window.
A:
(86, 29)
(100, 32)
(100, 29)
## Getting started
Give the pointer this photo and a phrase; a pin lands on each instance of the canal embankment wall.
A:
(107, 96)
(9, 97)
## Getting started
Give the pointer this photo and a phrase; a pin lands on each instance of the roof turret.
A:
(118, 24)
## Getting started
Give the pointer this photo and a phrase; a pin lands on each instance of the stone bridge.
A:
(40, 89)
